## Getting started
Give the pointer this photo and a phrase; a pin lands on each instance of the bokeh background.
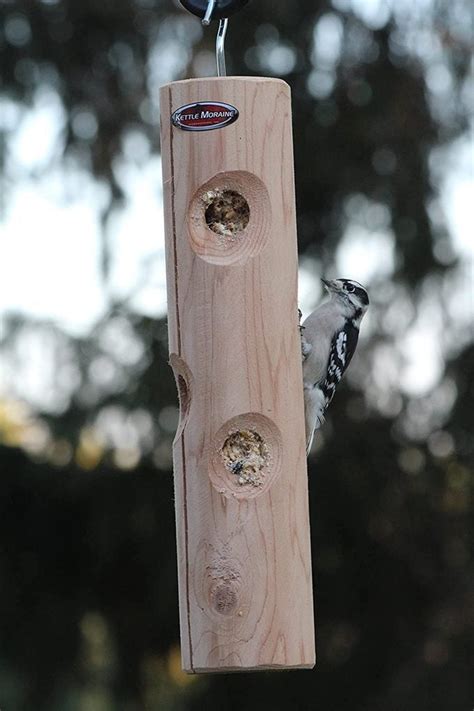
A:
(382, 101)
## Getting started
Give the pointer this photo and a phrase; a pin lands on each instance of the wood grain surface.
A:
(244, 564)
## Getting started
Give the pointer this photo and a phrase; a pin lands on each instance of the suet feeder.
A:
(241, 491)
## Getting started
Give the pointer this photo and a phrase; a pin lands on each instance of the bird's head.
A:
(350, 295)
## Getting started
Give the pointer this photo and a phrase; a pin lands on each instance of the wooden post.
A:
(244, 565)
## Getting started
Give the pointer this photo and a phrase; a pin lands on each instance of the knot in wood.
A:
(225, 585)
(224, 598)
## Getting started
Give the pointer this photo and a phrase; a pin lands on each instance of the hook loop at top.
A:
(213, 9)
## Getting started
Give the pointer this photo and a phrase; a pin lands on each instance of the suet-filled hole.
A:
(227, 212)
(229, 218)
(245, 454)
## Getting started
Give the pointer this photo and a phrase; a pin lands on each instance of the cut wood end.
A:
(242, 669)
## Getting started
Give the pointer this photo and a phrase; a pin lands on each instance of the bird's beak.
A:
(330, 285)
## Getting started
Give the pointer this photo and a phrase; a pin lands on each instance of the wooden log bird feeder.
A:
(244, 564)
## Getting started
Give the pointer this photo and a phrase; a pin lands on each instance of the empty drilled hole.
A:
(183, 394)
(184, 385)
(227, 212)
(245, 454)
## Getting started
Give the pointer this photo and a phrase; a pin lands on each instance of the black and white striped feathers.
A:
(329, 339)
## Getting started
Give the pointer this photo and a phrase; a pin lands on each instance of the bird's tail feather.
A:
(310, 435)
(314, 414)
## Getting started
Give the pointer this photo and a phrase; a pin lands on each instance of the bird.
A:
(329, 338)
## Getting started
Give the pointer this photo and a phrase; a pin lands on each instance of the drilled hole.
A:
(245, 455)
(227, 212)
(183, 394)
(184, 380)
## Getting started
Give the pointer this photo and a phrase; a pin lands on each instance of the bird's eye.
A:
(350, 288)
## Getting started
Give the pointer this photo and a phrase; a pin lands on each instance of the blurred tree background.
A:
(382, 101)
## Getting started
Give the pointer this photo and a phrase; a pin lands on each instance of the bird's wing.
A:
(342, 349)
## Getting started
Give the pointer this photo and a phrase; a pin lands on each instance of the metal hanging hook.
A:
(209, 10)
(206, 20)
(220, 54)
(220, 38)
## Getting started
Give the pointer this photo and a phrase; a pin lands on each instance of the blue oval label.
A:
(204, 116)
